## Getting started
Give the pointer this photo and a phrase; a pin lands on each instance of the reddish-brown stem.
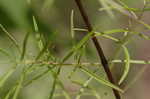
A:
(98, 47)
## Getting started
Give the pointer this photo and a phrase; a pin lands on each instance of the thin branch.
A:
(140, 62)
(98, 47)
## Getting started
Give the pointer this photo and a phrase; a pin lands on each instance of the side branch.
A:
(98, 47)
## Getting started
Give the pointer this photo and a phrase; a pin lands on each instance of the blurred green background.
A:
(53, 20)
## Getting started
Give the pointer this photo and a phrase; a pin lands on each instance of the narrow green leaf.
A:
(38, 34)
(66, 95)
(106, 36)
(100, 80)
(111, 38)
(78, 57)
(53, 88)
(80, 29)
(78, 46)
(67, 56)
(114, 31)
(6, 76)
(118, 7)
(82, 89)
(127, 65)
(144, 36)
(84, 85)
(37, 77)
(72, 24)
(24, 46)
(4, 52)
(107, 7)
(131, 61)
(8, 95)
(42, 51)
(14, 41)
(83, 41)
(65, 92)
(145, 24)
(134, 9)
(35, 24)
(18, 88)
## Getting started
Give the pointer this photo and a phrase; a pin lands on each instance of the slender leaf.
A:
(100, 80)
(5, 53)
(72, 23)
(37, 77)
(38, 34)
(78, 46)
(10, 37)
(6, 76)
(127, 65)
(8, 95)
(24, 46)
(18, 88)
(35, 24)
(107, 7)
(115, 31)
(131, 61)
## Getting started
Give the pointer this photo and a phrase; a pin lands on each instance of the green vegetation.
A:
(36, 54)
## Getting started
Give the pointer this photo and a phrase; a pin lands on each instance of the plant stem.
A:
(141, 62)
(98, 47)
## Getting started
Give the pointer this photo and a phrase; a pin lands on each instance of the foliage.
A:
(44, 62)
